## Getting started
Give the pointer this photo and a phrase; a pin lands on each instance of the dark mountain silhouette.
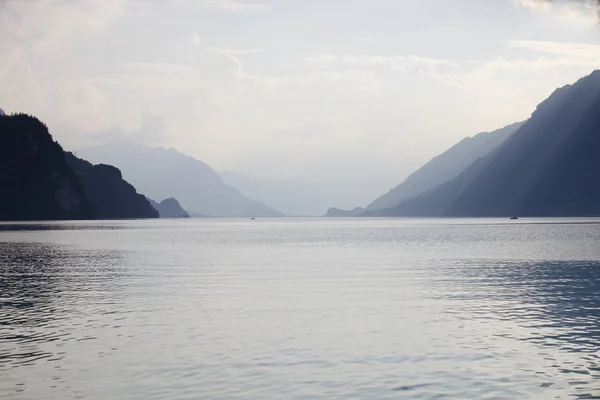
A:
(445, 166)
(111, 195)
(36, 182)
(163, 173)
(169, 208)
(549, 167)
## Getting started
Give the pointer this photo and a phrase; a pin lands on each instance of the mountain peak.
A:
(169, 208)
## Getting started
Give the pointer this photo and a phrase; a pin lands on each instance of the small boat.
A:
(252, 218)
(514, 217)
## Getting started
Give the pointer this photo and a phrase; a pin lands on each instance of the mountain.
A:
(549, 167)
(445, 166)
(297, 197)
(337, 213)
(36, 183)
(111, 195)
(162, 173)
(169, 208)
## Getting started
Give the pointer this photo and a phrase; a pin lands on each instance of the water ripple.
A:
(300, 309)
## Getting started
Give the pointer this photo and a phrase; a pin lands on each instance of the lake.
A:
(300, 309)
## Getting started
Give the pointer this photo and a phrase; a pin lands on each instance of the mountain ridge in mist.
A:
(444, 166)
(549, 167)
(169, 208)
(163, 173)
(295, 197)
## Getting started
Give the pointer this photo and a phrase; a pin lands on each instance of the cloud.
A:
(566, 49)
(222, 99)
(195, 38)
(32, 33)
(546, 5)
(243, 52)
(576, 11)
(42, 25)
(400, 63)
(223, 5)
(535, 5)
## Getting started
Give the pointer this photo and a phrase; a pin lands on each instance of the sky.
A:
(360, 92)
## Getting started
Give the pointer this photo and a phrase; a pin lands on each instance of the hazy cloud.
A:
(578, 11)
(536, 5)
(277, 93)
(195, 38)
(43, 24)
(224, 5)
(567, 49)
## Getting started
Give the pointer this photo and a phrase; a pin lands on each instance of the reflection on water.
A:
(41, 288)
(300, 309)
(552, 305)
(32, 226)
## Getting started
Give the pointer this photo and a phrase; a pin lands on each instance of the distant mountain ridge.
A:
(445, 166)
(549, 167)
(296, 197)
(169, 208)
(163, 173)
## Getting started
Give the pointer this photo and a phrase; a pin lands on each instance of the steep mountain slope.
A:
(549, 167)
(169, 208)
(445, 166)
(162, 173)
(111, 195)
(36, 182)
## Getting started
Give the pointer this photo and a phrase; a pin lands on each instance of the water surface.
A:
(300, 309)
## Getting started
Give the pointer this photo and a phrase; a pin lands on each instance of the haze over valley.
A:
(299, 199)
(304, 121)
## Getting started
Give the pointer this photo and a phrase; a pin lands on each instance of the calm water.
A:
(300, 309)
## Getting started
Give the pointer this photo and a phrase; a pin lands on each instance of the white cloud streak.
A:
(223, 102)
(222, 5)
(565, 49)
(581, 12)
(535, 5)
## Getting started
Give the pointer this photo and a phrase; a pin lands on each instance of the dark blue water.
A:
(300, 309)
